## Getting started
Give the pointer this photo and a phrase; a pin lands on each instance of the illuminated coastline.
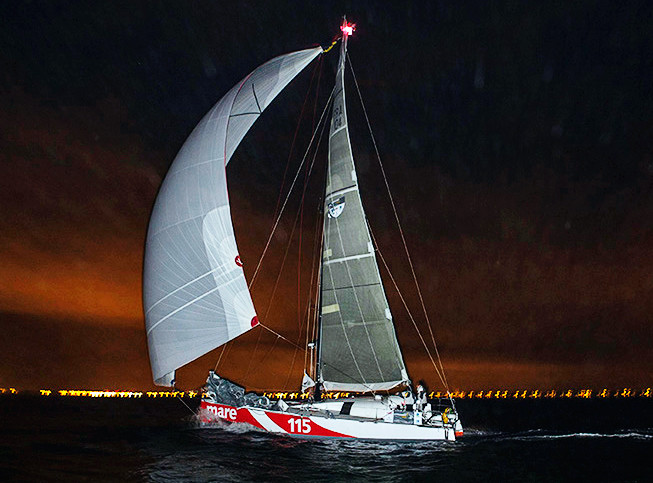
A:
(605, 393)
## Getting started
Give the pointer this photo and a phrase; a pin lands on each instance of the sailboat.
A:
(196, 297)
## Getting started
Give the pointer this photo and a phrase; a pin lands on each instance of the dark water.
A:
(46, 439)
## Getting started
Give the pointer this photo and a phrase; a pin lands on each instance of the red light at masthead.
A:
(348, 28)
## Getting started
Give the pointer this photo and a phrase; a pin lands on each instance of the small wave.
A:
(645, 435)
(241, 428)
(480, 432)
(229, 427)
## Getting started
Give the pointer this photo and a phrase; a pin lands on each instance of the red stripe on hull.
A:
(288, 423)
(302, 426)
(245, 416)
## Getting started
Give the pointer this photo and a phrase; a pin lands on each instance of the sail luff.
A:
(195, 295)
(358, 346)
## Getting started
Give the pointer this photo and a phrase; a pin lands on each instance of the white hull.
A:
(298, 422)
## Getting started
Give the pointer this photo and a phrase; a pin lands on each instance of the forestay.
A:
(358, 345)
(194, 289)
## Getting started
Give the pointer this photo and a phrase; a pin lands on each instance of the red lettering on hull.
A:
(209, 412)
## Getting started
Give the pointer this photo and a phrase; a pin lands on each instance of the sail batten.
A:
(195, 295)
(358, 346)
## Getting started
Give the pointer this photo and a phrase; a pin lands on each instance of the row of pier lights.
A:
(483, 394)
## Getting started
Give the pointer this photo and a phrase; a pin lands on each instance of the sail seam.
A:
(181, 288)
(343, 191)
(200, 297)
(245, 114)
(337, 131)
(361, 322)
(355, 286)
(195, 165)
(180, 222)
(351, 257)
(256, 99)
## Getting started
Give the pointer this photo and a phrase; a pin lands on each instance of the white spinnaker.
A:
(195, 295)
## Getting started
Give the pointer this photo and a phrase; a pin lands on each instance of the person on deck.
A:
(421, 397)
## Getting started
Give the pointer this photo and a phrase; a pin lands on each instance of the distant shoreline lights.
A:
(482, 394)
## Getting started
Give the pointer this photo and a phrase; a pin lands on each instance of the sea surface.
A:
(83, 439)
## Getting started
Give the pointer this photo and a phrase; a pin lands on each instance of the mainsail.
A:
(194, 290)
(358, 349)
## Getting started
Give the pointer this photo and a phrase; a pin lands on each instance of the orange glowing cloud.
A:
(75, 208)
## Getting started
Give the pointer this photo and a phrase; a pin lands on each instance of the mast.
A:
(347, 30)
(358, 348)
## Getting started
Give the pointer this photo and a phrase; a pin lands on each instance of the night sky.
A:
(518, 139)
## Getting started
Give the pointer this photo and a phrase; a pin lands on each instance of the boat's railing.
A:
(441, 404)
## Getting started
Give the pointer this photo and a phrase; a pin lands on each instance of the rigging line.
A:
(314, 265)
(308, 174)
(230, 345)
(194, 413)
(279, 336)
(299, 308)
(309, 171)
(313, 320)
(299, 267)
(276, 223)
(283, 263)
(317, 224)
(299, 249)
(317, 92)
(301, 214)
(292, 366)
(308, 306)
(410, 316)
(294, 138)
(316, 314)
(285, 255)
(251, 359)
(220, 358)
(394, 209)
(270, 350)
